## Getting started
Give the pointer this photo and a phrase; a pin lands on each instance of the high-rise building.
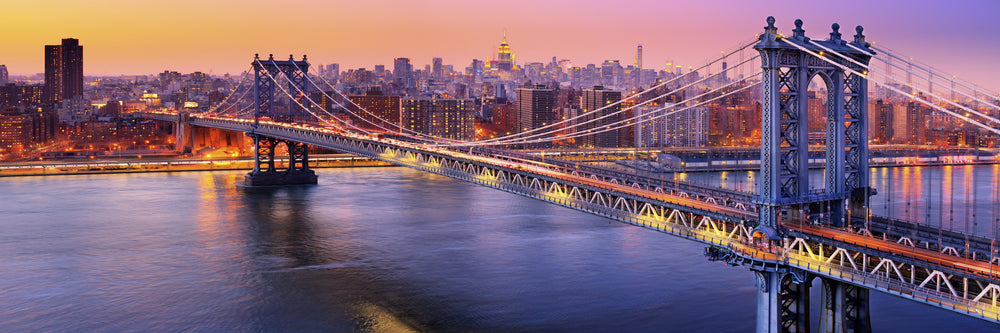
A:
(383, 111)
(687, 128)
(440, 117)
(53, 74)
(596, 103)
(536, 107)
(505, 57)
(916, 123)
(402, 72)
(437, 68)
(882, 119)
(3, 74)
(650, 131)
(638, 66)
(611, 71)
(63, 70)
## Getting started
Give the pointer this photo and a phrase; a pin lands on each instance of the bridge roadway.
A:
(887, 260)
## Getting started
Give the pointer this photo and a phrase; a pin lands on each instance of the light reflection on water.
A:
(381, 249)
(956, 198)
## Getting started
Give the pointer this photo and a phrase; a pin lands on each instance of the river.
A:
(373, 250)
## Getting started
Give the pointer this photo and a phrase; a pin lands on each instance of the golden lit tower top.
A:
(505, 58)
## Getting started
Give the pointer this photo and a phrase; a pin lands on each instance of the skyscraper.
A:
(3, 74)
(536, 107)
(638, 66)
(592, 100)
(437, 68)
(63, 70)
(688, 128)
(505, 57)
(883, 122)
(53, 74)
(402, 71)
(610, 72)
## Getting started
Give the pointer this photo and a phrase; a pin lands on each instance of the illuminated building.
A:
(816, 107)
(593, 100)
(18, 132)
(384, 111)
(505, 118)
(882, 119)
(916, 123)
(63, 70)
(21, 95)
(688, 128)
(505, 57)
(650, 132)
(15, 132)
(535, 107)
(440, 117)
(53, 74)
(3, 74)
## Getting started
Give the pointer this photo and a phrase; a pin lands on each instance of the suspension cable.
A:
(849, 70)
(931, 72)
(537, 135)
(638, 118)
(276, 83)
(624, 99)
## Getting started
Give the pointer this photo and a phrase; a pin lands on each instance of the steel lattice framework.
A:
(787, 71)
(264, 171)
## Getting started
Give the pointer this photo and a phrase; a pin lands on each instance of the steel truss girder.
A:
(863, 267)
(957, 288)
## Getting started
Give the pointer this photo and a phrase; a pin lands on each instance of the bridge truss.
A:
(770, 233)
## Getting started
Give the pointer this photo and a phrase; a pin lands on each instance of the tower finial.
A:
(798, 32)
(860, 37)
(835, 35)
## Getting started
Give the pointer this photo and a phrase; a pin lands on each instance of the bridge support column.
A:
(845, 308)
(265, 172)
(183, 134)
(782, 302)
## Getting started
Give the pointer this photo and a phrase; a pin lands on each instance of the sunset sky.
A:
(961, 37)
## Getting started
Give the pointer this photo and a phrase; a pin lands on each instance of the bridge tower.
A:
(786, 196)
(265, 172)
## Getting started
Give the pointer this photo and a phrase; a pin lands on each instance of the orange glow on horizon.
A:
(147, 37)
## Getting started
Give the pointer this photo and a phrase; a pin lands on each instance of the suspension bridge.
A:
(788, 232)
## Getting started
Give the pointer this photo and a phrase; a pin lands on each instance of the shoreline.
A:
(98, 167)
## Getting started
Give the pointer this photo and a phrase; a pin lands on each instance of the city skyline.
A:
(219, 38)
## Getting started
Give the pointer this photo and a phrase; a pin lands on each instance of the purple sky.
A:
(141, 37)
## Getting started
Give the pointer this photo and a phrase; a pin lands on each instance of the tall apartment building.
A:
(63, 70)
(383, 112)
(591, 102)
(450, 118)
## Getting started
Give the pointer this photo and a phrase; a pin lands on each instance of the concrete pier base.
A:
(278, 178)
